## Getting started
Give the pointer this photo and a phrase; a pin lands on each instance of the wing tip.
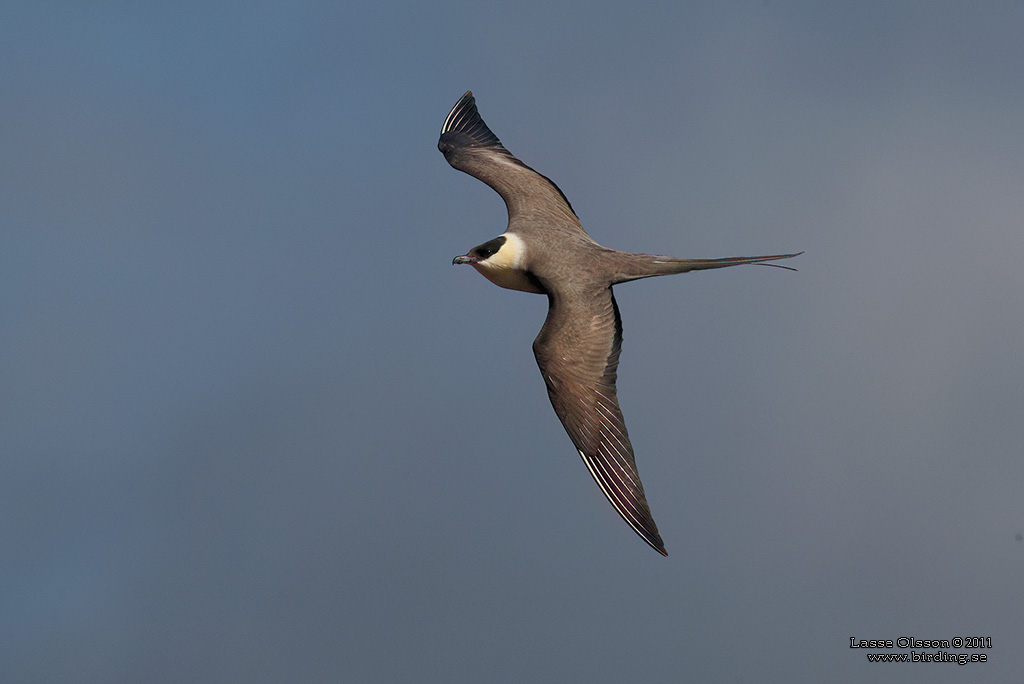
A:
(655, 543)
(465, 118)
(637, 516)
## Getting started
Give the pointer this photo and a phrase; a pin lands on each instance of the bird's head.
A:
(492, 254)
(501, 261)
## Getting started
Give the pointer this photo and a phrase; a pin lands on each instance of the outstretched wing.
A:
(578, 354)
(470, 146)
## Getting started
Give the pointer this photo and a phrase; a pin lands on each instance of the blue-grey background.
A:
(256, 428)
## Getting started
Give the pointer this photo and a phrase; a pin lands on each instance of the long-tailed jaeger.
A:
(545, 250)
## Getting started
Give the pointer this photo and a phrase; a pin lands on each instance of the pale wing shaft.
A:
(578, 354)
(470, 146)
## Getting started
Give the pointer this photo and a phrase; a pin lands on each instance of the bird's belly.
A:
(509, 278)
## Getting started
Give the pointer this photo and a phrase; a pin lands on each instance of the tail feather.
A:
(648, 265)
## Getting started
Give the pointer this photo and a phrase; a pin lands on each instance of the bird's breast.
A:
(509, 278)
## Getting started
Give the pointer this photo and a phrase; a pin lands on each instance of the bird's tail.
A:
(648, 265)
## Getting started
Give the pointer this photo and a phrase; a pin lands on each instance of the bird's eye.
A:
(490, 247)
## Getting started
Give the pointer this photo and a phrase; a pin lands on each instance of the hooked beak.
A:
(465, 259)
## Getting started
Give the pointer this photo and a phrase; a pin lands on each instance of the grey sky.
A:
(256, 428)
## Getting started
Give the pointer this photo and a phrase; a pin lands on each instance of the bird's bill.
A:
(465, 259)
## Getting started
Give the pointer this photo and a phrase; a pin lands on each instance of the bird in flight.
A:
(545, 251)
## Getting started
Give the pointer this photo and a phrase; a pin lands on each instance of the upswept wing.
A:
(578, 354)
(470, 146)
